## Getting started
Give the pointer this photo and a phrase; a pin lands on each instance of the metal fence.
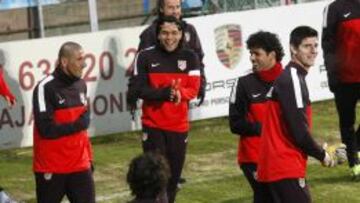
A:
(63, 17)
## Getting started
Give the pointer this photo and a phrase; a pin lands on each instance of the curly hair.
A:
(267, 41)
(148, 175)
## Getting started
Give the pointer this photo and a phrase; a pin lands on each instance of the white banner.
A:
(110, 53)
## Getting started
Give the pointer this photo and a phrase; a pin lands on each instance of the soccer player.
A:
(340, 43)
(191, 39)
(167, 77)
(5, 91)
(248, 103)
(286, 140)
(62, 149)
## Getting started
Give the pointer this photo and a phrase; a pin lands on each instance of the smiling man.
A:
(167, 77)
(62, 149)
(191, 39)
(248, 103)
(286, 140)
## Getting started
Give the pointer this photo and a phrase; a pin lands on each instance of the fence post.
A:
(94, 25)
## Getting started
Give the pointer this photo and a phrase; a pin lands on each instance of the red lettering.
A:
(106, 55)
(45, 64)
(26, 78)
(89, 68)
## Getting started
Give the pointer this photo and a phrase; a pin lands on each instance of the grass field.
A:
(211, 170)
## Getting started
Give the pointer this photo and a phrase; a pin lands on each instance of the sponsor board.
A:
(27, 62)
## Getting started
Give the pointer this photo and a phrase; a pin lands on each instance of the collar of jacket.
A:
(271, 74)
(299, 68)
(60, 74)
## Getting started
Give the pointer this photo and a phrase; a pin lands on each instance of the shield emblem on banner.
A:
(228, 44)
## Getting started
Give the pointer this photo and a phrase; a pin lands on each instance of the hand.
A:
(329, 159)
(338, 151)
(10, 101)
(175, 95)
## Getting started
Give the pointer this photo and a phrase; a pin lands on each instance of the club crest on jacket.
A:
(182, 65)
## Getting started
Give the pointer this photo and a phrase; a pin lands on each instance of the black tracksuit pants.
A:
(78, 187)
(261, 191)
(290, 190)
(346, 97)
(172, 145)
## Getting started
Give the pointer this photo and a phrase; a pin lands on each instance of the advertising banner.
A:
(109, 54)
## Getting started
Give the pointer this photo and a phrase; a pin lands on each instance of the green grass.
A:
(211, 169)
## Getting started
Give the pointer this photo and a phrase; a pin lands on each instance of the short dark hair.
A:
(168, 19)
(301, 32)
(267, 41)
(148, 175)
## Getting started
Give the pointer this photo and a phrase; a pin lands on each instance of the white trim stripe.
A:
(136, 58)
(41, 93)
(233, 92)
(325, 16)
(194, 72)
(135, 64)
(297, 88)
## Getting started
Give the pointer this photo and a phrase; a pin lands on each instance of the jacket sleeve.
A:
(4, 88)
(43, 100)
(195, 45)
(142, 85)
(328, 42)
(238, 111)
(147, 37)
(293, 106)
(191, 89)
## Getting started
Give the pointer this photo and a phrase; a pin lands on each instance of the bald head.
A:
(67, 49)
(71, 59)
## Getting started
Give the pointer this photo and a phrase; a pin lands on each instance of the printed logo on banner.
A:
(228, 44)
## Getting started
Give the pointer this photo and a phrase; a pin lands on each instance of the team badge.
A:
(182, 64)
(47, 176)
(187, 36)
(144, 137)
(302, 182)
(228, 42)
(83, 98)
